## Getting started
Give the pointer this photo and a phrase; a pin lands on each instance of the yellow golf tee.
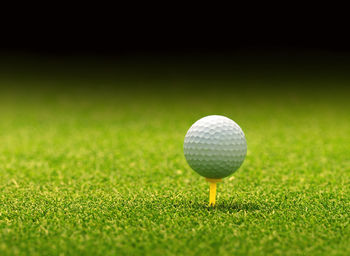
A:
(212, 191)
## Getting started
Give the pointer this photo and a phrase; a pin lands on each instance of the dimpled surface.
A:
(215, 146)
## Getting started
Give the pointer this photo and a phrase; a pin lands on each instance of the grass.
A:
(98, 169)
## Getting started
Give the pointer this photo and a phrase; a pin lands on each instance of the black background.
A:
(188, 32)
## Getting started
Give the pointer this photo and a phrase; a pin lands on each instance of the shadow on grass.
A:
(193, 204)
(222, 206)
(234, 207)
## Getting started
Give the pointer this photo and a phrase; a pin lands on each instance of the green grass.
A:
(93, 170)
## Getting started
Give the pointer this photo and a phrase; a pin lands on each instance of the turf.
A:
(98, 169)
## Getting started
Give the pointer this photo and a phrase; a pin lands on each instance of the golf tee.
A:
(212, 190)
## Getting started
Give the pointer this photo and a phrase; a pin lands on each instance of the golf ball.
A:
(215, 146)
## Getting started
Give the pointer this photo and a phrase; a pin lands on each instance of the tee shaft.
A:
(212, 194)
(212, 190)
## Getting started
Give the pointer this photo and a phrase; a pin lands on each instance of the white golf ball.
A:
(215, 146)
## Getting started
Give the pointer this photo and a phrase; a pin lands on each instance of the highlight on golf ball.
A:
(215, 147)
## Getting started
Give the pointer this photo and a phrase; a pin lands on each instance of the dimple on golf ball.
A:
(215, 146)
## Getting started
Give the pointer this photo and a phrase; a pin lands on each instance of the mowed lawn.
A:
(96, 167)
